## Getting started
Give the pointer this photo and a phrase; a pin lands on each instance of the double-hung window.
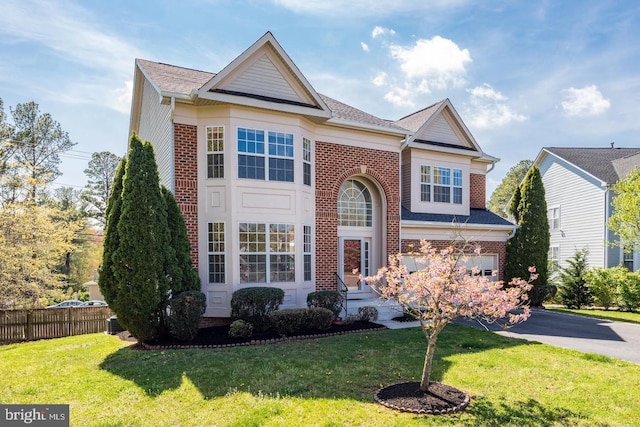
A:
(307, 252)
(215, 152)
(553, 216)
(260, 158)
(216, 252)
(306, 161)
(267, 253)
(441, 185)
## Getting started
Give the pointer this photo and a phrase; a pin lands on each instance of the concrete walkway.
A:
(586, 334)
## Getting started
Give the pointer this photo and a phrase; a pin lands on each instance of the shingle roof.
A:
(414, 121)
(171, 78)
(476, 216)
(599, 162)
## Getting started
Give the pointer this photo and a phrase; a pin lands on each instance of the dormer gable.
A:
(264, 76)
(440, 128)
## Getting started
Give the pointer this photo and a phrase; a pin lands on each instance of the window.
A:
(252, 156)
(554, 256)
(627, 257)
(215, 152)
(440, 184)
(262, 242)
(553, 216)
(216, 251)
(306, 161)
(307, 252)
(354, 205)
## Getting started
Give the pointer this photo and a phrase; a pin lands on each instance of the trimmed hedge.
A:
(183, 314)
(295, 320)
(331, 300)
(240, 329)
(255, 304)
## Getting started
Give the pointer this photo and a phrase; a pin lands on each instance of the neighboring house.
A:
(577, 183)
(282, 186)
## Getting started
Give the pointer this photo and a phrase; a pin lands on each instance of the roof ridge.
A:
(176, 66)
(421, 110)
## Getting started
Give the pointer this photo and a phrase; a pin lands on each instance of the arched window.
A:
(354, 205)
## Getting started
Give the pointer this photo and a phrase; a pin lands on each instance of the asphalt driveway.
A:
(615, 339)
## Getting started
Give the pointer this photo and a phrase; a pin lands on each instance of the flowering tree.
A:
(444, 290)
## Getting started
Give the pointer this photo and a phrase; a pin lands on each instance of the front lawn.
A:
(327, 381)
(622, 316)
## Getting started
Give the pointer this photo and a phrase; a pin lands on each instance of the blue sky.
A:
(522, 74)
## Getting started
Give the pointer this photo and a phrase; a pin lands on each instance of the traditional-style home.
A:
(577, 183)
(282, 186)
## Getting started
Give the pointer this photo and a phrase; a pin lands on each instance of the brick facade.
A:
(478, 191)
(488, 247)
(185, 139)
(334, 164)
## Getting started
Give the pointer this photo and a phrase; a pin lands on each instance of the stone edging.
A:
(449, 410)
(256, 342)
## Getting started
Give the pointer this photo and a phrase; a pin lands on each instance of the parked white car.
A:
(67, 304)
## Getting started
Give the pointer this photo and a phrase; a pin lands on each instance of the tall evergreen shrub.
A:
(572, 288)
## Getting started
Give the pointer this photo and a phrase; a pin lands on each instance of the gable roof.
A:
(475, 217)
(598, 162)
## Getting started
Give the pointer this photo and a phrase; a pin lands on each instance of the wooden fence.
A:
(35, 324)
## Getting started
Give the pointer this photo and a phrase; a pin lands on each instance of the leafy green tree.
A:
(499, 200)
(184, 277)
(100, 171)
(530, 245)
(107, 280)
(603, 284)
(142, 259)
(629, 291)
(572, 288)
(625, 220)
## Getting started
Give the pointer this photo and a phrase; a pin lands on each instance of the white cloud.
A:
(364, 46)
(434, 63)
(365, 7)
(587, 101)
(380, 79)
(70, 33)
(401, 97)
(488, 108)
(381, 31)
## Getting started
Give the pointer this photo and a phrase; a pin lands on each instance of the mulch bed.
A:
(218, 337)
(407, 397)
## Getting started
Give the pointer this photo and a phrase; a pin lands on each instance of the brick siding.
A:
(478, 191)
(334, 164)
(185, 139)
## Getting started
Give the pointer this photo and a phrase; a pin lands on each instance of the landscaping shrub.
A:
(331, 300)
(289, 321)
(629, 292)
(240, 329)
(604, 283)
(255, 304)
(184, 312)
(318, 318)
(572, 289)
(368, 314)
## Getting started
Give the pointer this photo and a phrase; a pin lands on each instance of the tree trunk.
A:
(428, 359)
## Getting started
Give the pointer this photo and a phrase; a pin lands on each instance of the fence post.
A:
(29, 332)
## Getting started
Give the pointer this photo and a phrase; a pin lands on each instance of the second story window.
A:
(440, 184)
(275, 163)
(553, 216)
(306, 161)
(215, 152)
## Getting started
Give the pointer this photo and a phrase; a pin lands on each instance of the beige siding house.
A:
(282, 186)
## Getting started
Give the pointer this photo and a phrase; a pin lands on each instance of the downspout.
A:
(173, 145)
(403, 145)
(606, 227)
(493, 165)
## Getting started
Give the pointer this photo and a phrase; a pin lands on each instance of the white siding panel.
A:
(441, 131)
(263, 78)
(155, 126)
(582, 211)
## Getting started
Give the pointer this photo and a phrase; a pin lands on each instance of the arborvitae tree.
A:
(142, 258)
(572, 289)
(515, 203)
(531, 246)
(107, 281)
(184, 277)
(514, 264)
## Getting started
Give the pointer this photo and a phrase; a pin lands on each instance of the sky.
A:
(521, 74)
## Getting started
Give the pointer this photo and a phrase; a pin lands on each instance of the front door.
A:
(355, 260)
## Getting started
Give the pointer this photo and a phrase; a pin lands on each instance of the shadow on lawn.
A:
(342, 367)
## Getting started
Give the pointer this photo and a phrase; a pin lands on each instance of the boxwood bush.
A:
(294, 321)
(255, 304)
(240, 329)
(183, 314)
(331, 300)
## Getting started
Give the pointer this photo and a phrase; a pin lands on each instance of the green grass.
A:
(321, 382)
(622, 316)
